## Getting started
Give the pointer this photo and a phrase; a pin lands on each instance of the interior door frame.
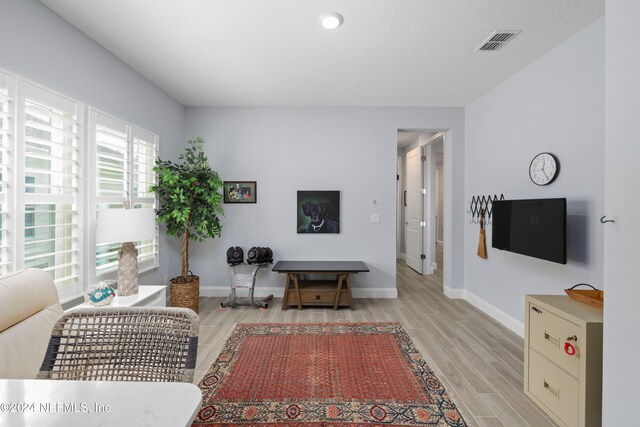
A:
(399, 209)
(428, 185)
(430, 213)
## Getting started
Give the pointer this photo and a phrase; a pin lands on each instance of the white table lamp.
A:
(127, 226)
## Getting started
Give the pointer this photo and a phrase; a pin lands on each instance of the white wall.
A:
(621, 346)
(40, 46)
(288, 149)
(555, 104)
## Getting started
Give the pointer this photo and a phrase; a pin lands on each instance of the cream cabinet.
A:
(563, 359)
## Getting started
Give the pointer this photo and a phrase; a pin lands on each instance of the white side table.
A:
(147, 296)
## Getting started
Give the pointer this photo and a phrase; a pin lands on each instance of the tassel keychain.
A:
(482, 244)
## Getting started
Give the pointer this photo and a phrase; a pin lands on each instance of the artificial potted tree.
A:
(190, 206)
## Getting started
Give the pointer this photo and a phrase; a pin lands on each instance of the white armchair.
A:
(29, 307)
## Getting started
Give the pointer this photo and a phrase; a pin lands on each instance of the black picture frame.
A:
(240, 191)
(318, 212)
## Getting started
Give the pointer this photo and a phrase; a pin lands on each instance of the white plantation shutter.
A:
(51, 127)
(45, 188)
(112, 160)
(7, 126)
(112, 164)
(123, 171)
(145, 152)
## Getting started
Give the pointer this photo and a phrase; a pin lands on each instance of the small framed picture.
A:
(240, 191)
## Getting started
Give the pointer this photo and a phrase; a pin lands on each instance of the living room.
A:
(575, 99)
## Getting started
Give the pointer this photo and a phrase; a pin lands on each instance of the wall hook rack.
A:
(604, 221)
(479, 204)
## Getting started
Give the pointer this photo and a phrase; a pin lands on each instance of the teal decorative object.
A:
(101, 296)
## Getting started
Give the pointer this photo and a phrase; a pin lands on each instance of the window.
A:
(46, 201)
(7, 120)
(51, 131)
(123, 172)
(145, 152)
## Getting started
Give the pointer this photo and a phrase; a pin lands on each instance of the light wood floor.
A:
(479, 361)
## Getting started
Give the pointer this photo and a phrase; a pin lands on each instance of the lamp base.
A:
(128, 270)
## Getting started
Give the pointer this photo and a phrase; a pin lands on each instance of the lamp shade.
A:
(125, 225)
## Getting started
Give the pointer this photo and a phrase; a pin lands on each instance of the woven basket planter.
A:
(185, 294)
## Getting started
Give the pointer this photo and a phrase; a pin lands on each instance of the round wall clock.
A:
(544, 169)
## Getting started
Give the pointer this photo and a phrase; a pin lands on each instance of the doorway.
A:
(420, 198)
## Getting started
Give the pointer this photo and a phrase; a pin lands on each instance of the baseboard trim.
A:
(482, 305)
(498, 315)
(452, 293)
(260, 292)
(493, 311)
(224, 291)
(374, 292)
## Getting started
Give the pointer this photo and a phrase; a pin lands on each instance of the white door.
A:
(413, 210)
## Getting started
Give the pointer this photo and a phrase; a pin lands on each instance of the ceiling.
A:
(275, 53)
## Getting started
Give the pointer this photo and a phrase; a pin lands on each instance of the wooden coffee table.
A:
(300, 291)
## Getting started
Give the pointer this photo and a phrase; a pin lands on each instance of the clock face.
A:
(544, 169)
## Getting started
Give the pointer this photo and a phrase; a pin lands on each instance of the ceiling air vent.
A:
(497, 40)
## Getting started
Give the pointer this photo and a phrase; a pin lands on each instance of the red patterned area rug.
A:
(323, 374)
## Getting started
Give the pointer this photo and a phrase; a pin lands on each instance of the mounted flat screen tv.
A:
(534, 227)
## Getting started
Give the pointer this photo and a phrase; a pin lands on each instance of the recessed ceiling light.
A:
(331, 20)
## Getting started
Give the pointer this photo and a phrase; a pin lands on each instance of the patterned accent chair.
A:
(123, 344)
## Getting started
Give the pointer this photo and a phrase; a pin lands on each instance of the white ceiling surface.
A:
(275, 53)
